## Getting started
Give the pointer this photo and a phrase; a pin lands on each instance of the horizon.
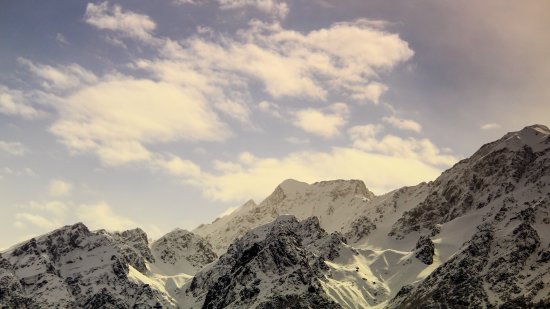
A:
(124, 114)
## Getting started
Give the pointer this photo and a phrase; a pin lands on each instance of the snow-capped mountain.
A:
(73, 267)
(476, 237)
(278, 265)
(333, 202)
(407, 234)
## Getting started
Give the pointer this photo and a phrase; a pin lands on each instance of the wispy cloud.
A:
(325, 123)
(127, 23)
(59, 188)
(101, 216)
(13, 102)
(13, 148)
(490, 126)
(274, 8)
(61, 39)
(403, 124)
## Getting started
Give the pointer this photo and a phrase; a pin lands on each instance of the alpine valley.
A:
(478, 236)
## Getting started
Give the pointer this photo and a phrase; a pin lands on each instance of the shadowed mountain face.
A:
(477, 236)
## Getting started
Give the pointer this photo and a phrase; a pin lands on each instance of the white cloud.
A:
(58, 188)
(21, 172)
(296, 140)
(13, 102)
(115, 41)
(270, 108)
(126, 23)
(177, 166)
(61, 39)
(44, 215)
(101, 216)
(403, 124)
(13, 148)
(274, 8)
(372, 92)
(185, 1)
(346, 58)
(63, 77)
(117, 118)
(258, 177)
(325, 123)
(423, 150)
(490, 126)
(24, 219)
(57, 208)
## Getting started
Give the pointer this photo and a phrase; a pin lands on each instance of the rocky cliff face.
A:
(505, 262)
(181, 251)
(278, 265)
(73, 267)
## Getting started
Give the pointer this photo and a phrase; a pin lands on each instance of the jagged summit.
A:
(334, 202)
(277, 265)
(180, 251)
(536, 136)
(249, 204)
(291, 186)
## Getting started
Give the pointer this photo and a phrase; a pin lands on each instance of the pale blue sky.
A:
(164, 114)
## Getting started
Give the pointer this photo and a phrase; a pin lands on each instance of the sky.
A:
(167, 113)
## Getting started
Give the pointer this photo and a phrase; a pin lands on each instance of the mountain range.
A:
(478, 236)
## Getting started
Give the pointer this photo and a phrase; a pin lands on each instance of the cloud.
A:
(296, 140)
(345, 58)
(61, 39)
(185, 1)
(13, 102)
(423, 150)
(270, 108)
(274, 8)
(371, 91)
(57, 208)
(126, 23)
(59, 188)
(13, 148)
(403, 124)
(177, 166)
(49, 215)
(63, 77)
(101, 216)
(22, 172)
(325, 123)
(44, 215)
(116, 119)
(490, 126)
(24, 219)
(258, 177)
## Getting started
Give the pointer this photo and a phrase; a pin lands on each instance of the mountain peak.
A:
(290, 186)
(538, 127)
(535, 136)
